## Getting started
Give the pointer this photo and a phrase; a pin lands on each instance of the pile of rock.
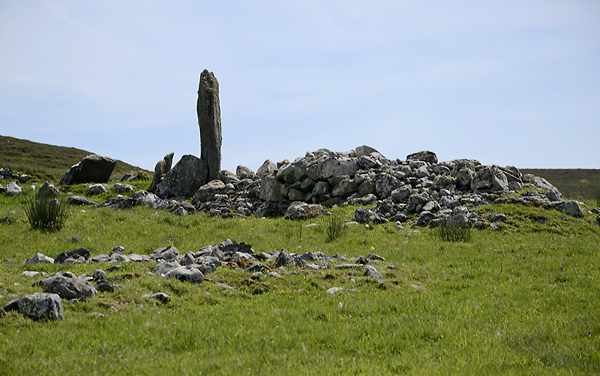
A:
(418, 186)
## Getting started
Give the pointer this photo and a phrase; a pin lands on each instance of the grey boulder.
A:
(68, 286)
(186, 274)
(41, 306)
(92, 169)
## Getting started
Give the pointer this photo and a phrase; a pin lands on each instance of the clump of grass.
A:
(45, 214)
(454, 232)
(334, 227)
(8, 219)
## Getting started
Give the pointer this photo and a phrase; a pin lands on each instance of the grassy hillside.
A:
(522, 299)
(46, 162)
(572, 183)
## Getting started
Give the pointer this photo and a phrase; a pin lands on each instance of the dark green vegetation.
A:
(572, 183)
(44, 213)
(46, 162)
(522, 299)
(454, 232)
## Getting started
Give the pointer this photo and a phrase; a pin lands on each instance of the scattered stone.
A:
(99, 274)
(334, 290)
(160, 296)
(166, 253)
(41, 306)
(368, 215)
(12, 189)
(348, 266)
(284, 258)
(39, 258)
(96, 189)
(186, 274)
(68, 286)
(497, 218)
(12, 305)
(105, 286)
(29, 273)
(80, 200)
(75, 254)
(371, 272)
(48, 191)
(166, 266)
(123, 188)
(571, 208)
(301, 210)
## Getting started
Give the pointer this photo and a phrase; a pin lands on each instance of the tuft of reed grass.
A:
(45, 214)
(454, 232)
(334, 227)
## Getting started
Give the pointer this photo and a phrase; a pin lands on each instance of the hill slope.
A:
(572, 183)
(47, 162)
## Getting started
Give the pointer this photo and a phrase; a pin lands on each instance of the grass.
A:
(523, 299)
(450, 232)
(44, 213)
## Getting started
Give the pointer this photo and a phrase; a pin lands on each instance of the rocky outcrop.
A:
(92, 169)
(208, 109)
(160, 171)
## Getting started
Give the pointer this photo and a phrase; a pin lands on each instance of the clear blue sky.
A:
(506, 82)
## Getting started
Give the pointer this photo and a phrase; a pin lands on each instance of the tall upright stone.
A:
(209, 121)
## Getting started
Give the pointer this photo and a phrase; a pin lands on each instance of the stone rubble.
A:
(190, 267)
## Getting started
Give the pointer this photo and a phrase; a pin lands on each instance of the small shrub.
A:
(451, 232)
(334, 227)
(46, 214)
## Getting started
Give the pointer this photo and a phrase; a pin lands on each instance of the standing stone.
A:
(209, 121)
(160, 171)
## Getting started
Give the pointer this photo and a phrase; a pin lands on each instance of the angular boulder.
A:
(92, 169)
(48, 191)
(425, 156)
(13, 189)
(186, 274)
(68, 286)
(571, 208)
(184, 179)
(160, 171)
(41, 306)
(302, 210)
(39, 258)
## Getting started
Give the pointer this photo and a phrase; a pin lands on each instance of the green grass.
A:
(522, 299)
